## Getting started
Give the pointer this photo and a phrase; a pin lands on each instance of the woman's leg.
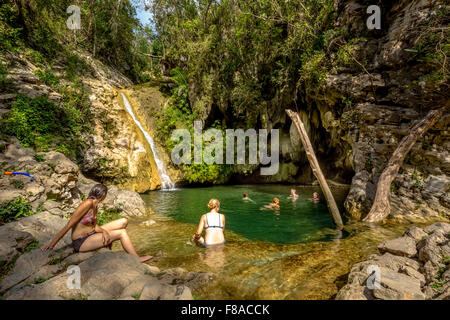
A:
(96, 241)
(116, 224)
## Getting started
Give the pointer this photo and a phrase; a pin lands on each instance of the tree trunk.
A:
(381, 206)
(316, 168)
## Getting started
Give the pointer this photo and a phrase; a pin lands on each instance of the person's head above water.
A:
(276, 200)
(245, 195)
(293, 191)
(315, 195)
(214, 204)
(98, 192)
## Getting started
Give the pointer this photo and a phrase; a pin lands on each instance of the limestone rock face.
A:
(116, 151)
(58, 184)
(394, 276)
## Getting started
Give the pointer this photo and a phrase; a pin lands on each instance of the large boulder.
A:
(397, 286)
(104, 276)
(404, 246)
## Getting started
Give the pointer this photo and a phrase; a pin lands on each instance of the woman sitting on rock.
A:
(214, 224)
(87, 235)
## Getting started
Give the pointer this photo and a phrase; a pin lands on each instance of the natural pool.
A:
(297, 221)
(296, 254)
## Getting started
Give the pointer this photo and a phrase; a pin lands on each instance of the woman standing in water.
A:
(87, 235)
(214, 224)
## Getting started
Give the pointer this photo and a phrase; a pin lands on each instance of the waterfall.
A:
(165, 180)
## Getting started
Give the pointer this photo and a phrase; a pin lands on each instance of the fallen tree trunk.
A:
(381, 206)
(316, 168)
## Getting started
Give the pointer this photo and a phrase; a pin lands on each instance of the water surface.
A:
(294, 255)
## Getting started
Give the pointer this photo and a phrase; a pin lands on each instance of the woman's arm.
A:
(76, 217)
(105, 233)
(223, 222)
(201, 225)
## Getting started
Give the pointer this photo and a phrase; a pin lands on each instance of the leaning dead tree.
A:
(381, 206)
(316, 168)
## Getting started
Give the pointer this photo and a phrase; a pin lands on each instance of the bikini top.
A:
(213, 226)
(89, 218)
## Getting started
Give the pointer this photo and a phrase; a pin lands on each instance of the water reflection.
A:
(213, 257)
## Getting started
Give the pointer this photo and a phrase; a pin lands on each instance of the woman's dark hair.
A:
(245, 195)
(98, 191)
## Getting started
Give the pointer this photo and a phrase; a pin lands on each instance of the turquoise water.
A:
(296, 222)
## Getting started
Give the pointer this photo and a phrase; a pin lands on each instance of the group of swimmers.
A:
(275, 204)
(87, 235)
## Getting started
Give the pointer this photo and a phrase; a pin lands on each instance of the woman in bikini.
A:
(87, 235)
(214, 224)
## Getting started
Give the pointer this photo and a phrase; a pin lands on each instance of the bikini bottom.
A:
(76, 244)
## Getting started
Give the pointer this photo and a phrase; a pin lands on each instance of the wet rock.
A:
(148, 223)
(404, 246)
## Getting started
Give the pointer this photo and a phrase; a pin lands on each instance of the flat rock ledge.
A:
(415, 266)
(103, 274)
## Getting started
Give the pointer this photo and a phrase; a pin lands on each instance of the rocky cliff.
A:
(378, 84)
(115, 150)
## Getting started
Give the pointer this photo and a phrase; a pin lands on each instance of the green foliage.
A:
(432, 47)
(47, 76)
(14, 209)
(136, 296)
(6, 267)
(33, 245)
(56, 260)
(39, 157)
(9, 28)
(40, 124)
(17, 184)
(446, 260)
(109, 215)
(4, 80)
(179, 115)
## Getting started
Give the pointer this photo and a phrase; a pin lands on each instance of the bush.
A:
(47, 76)
(108, 215)
(40, 124)
(14, 209)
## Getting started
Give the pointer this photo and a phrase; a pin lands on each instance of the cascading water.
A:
(166, 183)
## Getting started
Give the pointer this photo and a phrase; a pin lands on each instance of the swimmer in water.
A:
(246, 198)
(214, 224)
(275, 205)
(293, 195)
(315, 197)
